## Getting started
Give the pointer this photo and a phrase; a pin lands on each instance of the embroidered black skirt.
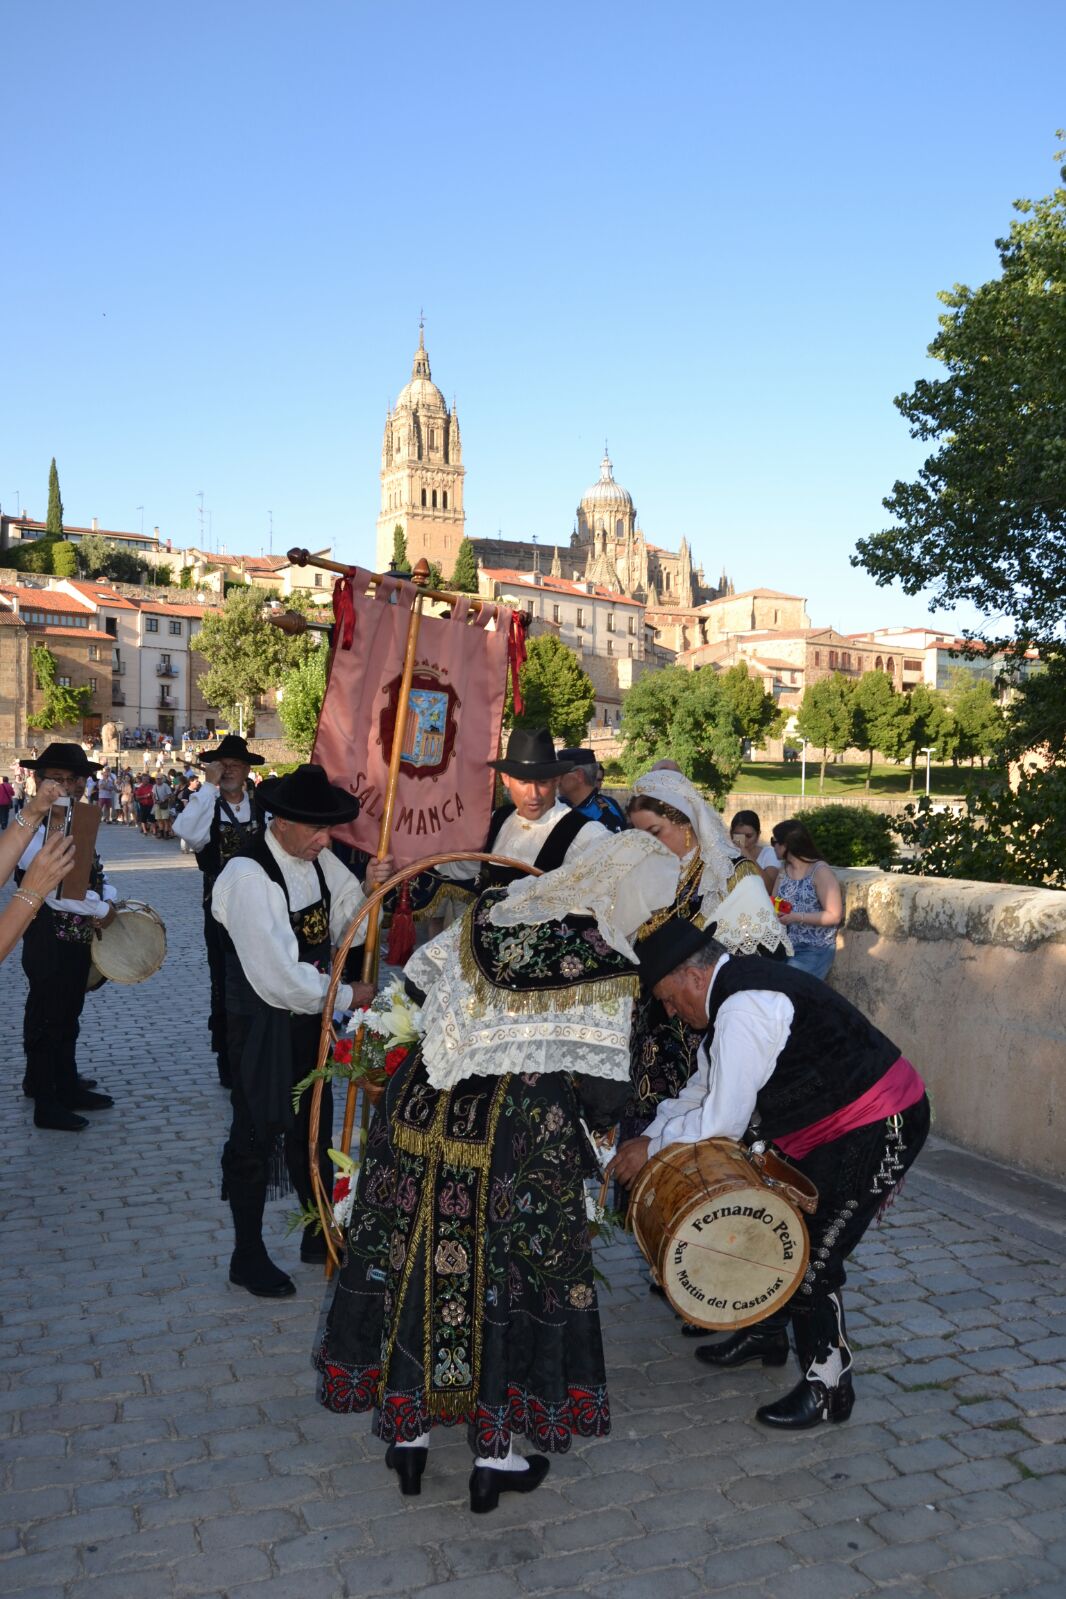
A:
(466, 1293)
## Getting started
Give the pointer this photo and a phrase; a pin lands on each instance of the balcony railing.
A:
(117, 697)
(164, 701)
(118, 668)
(166, 669)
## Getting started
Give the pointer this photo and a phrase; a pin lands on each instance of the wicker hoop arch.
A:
(326, 1036)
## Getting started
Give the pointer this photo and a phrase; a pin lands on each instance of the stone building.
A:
(421, 472)
(68, 628)
(787, 662)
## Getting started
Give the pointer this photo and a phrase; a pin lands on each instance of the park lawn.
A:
(783, 777)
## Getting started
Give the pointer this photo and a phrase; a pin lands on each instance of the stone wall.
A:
(969, 979)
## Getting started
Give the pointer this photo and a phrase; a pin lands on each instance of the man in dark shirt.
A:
(580, 788)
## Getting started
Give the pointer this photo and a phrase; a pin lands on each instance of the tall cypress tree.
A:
(55, 504)
(400, 561)
(464, 578)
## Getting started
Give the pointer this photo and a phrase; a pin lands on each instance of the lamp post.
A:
(803, 768)
(927, 750)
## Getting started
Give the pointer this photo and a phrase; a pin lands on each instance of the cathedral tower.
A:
(421, 473)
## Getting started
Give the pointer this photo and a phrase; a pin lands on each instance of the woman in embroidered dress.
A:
(467, 1292)
(669, 807)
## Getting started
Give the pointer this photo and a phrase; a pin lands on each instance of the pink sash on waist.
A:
(896, 1091)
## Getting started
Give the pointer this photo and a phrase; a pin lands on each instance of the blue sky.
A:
(713, 235)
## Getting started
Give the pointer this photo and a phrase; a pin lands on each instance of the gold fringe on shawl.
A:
(538, 1002)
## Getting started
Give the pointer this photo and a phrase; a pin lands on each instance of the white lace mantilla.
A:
(466, 1036)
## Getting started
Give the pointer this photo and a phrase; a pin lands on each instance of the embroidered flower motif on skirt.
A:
(345, 1390)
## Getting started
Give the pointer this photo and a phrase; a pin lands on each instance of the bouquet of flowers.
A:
(343, 1199)
(373, 1045)
(781, 906)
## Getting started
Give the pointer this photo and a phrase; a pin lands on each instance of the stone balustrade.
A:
(970, 980)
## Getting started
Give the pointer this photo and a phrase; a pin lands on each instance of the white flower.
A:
(342, 1211)
(594, 1211)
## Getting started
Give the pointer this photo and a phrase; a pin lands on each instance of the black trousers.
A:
(247, 1163)
(56, 970)
(216, 967)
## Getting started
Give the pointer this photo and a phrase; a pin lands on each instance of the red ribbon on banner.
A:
(516, 655)
(344, 609)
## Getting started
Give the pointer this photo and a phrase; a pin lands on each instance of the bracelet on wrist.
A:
(30, 897)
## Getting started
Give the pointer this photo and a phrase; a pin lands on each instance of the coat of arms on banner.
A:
(430, 733)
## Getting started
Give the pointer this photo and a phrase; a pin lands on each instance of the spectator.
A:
(143, 795)
(126, 799)
(162, 795)
(809, 887)
(7, 799)
(18, 785)
(105, 794)
(744, 830)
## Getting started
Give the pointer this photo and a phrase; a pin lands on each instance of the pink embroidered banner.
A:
(444, 797)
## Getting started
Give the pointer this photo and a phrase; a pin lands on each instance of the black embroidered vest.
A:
(833, 1054)
(228, 837)
(552, 852)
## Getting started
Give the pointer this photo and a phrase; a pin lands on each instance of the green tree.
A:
(873, 706)
(825, 717)
(685, 716)
(985, 519)
(63, 706)
(920, 720)
(755, 716)
(246, 655)
(65, 558)
(999, 835)
(400, 561)
(464, 577)
(975, 727)
(557, 692)
(300, 700)
(55, 504)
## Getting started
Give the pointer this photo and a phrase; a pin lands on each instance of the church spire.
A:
(420, 369)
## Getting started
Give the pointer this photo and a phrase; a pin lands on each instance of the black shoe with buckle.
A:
(408, 1464)
(487, 1484)
(809, 1403)
(770, 1345)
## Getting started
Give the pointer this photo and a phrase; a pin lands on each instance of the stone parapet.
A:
(969, 979)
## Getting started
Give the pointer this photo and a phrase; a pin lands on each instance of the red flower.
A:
(782, 906)
(342, 1052)
(394, 1058)
(341, 1188)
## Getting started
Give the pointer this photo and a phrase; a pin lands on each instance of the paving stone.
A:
(404, 1571)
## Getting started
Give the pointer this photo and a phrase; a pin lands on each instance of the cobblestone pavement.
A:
(160, 1435)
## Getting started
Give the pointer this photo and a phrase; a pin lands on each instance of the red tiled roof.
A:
(774, 664)
(556, 585)
(154, 608)
(9, 619)
(102, 595)
(49, 600)
(90, 633)
(99, 532)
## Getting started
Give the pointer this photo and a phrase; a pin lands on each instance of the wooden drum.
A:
(722, 1230)
(133, 948)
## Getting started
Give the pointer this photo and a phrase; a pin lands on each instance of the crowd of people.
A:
(662, 976)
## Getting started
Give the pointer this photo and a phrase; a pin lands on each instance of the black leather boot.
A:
(250, 1266)
(51, 1114)
(408, 1464)
(761, 1342)
(809, 1403)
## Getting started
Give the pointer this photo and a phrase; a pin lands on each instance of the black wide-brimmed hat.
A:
(65, 758)
(579, 757)
(232, 748)
(307, 795)
(668, 946)
(531, 754)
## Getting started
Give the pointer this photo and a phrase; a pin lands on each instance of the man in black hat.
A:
(56, 958)
(786, 1060)
(580, 788)
(281, 907)
(219, 822)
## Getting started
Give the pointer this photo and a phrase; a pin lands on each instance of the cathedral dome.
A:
(606, 491)
(421, 393)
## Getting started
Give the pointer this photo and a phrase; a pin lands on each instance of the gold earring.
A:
(689, 839)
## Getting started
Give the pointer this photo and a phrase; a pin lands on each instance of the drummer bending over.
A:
(282, 907)
(786, 1060)
(56, 958)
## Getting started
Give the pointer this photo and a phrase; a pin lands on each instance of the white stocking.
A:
(509, 1462)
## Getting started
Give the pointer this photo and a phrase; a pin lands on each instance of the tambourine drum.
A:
(133, 948)
(722, 1230)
